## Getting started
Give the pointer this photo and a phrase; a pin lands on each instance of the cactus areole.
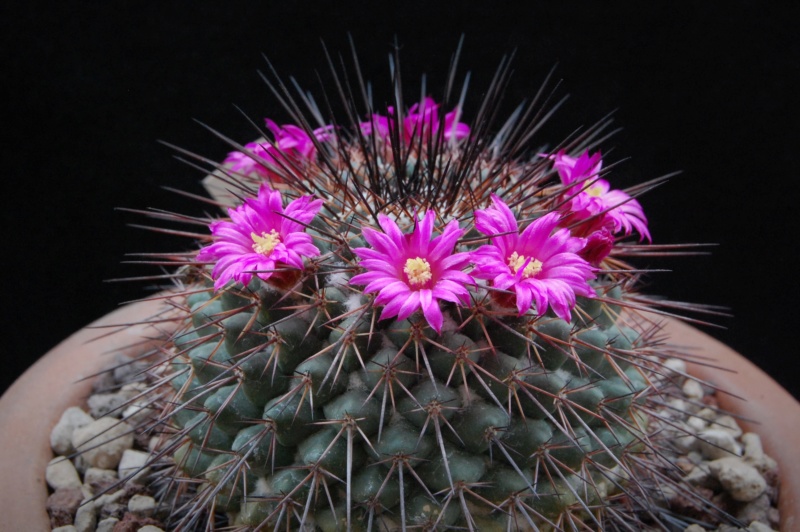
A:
(413, 317)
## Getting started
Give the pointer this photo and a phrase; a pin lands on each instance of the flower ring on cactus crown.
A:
(262, 238)
(540, 265)
(263, 158)
(591, 199)
(413, 271)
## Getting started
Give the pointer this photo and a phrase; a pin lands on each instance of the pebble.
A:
(106, 404)
(755, 526)
(709, 414)
(716, 443)
(142, 505)
(742, 481)
(701, 476)
(61, 473)
(137, 413)
(753, 451)
(107, 524)
(692, 389)
(754, 455)
(100, 480)
(755, 510)
(86, 517)
(684, 440)
(727, 423)
(716, 457)
(62, 505)
(103, 442)
(113, 509)
(133, 463)
(676, 365)
(696, 424)
(61, 435)
(108, 499)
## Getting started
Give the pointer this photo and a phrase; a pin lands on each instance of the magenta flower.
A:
(262, 238)
(413, 271)
(291, 143)
(422, 120)
(539, 266)
(592, 200)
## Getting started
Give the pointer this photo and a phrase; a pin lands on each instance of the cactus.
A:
(408, 321)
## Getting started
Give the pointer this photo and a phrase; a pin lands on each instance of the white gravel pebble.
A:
(742, 481)
(132, 462)
(142, 505)
(692, 389)
(727, 423)
(107, 524)
(717, 443)
(676, 365)
(755, 526)
(106, 404)
(66, 528)
(137, 413)
(103, 442)
(753, 451)
(86, 517)
(109, 498)
(61, 435)
(696, 424)
(150, 528)
(61, 473)
(700, 476)
(96, 475)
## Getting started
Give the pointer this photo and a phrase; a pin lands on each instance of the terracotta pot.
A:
(761, 404)
(33, 405)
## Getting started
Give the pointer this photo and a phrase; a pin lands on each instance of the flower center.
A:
(418, 271)
(265, 243)
(515, 262)
(595, 190)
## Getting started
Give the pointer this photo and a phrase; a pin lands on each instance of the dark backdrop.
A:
(90, 87)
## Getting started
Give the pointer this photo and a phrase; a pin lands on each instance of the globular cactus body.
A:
(411, 324)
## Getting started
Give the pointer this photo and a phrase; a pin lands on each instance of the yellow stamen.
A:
(418, 271)
(515, 262)
(265, 243)
(595, 190)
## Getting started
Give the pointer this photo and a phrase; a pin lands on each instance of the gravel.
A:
(100, 489)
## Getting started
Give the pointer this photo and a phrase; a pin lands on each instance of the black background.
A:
(89, 88)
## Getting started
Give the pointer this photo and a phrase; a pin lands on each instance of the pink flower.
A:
(413, 271)
(591, 199)
(262, 238)
(541, 267)
(421, 121)
(291, 143)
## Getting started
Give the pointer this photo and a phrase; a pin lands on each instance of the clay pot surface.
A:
(35, 402)
(32, 406)
(760, 404)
